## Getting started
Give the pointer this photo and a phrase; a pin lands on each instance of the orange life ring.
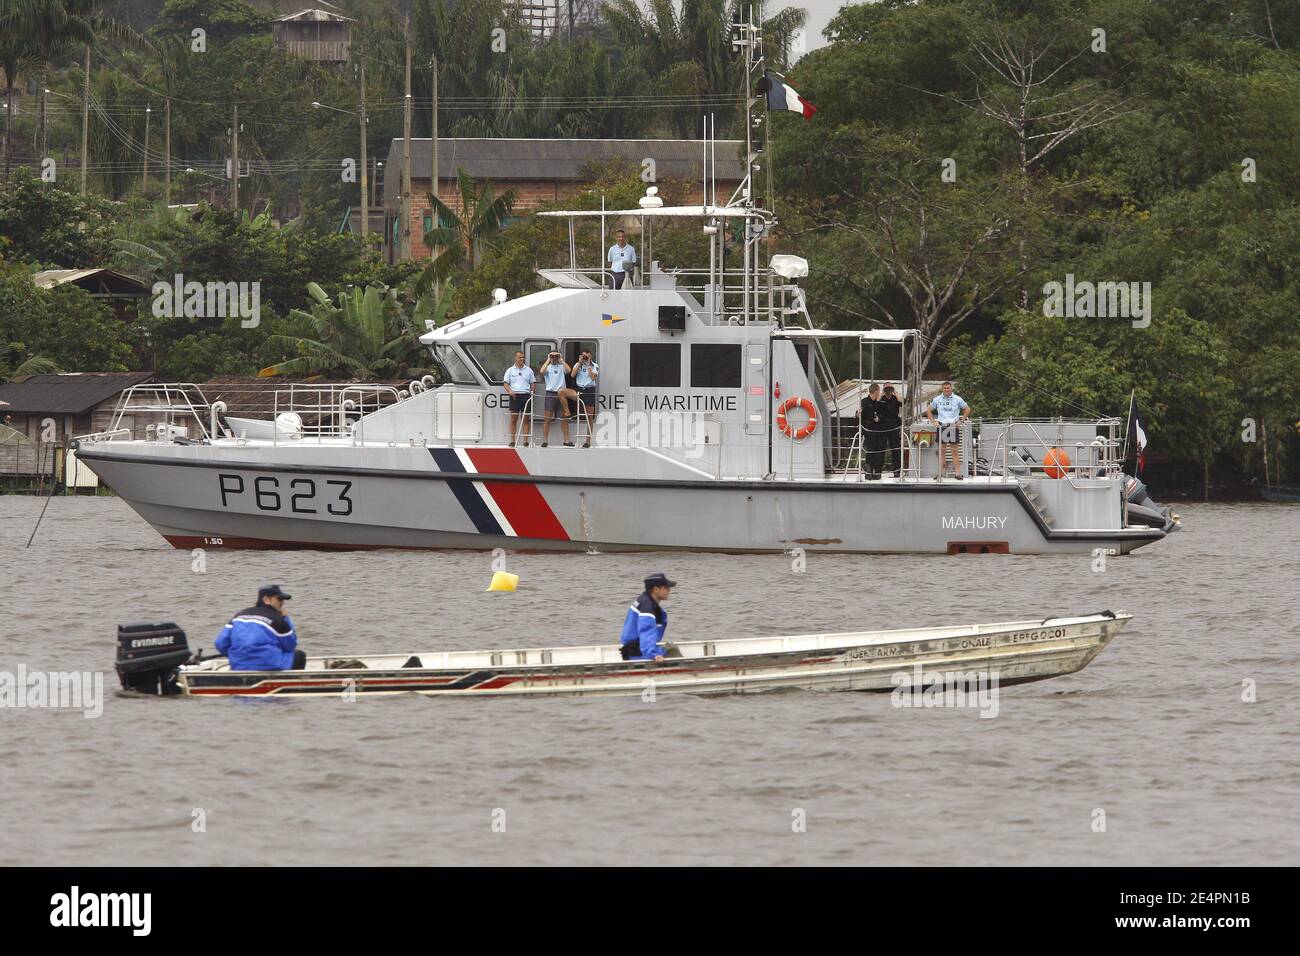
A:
(801, 433)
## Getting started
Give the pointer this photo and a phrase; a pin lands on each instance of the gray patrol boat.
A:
(715, 429)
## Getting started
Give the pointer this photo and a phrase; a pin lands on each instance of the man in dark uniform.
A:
(262, 637)
(645, 623)
(873, 416)
(891, 423)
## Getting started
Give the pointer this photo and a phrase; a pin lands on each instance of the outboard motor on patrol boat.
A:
(1143, 510)
(148, 656)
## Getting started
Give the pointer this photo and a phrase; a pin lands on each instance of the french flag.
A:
(783, 97)
(1138, 431)
(1140, 434)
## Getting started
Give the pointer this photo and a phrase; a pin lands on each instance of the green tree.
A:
(52, 226)
(64, 326)
(26, 364)
(367, 336)
(686, 52)
(51, 29)
(15, 59)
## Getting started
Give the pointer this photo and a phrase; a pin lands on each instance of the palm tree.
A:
(14, 59)
(367, 336)
(461, 236)
(49, 29)
(691, 51)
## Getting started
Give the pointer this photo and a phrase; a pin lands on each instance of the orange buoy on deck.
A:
(1056, 463)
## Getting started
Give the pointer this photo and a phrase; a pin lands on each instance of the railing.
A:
(1019, 449)
(849, 458)
(167, 400)
(528, 417)
(332, 411)
(1023, 456)
(769, 301)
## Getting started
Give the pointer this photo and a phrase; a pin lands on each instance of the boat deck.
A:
(594, 654)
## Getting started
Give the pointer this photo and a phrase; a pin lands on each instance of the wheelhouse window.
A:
(453, 366)
(655, 365)
(492, 358)
(575, 347)
(715, 365)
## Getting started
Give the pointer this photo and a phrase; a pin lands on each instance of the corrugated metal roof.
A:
(50, 278)
(503, 160)
(66, 393)
(314, 16)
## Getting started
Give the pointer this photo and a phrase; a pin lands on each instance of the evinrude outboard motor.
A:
(1145, 511)
(148, 656)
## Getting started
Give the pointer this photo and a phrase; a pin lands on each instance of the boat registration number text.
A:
(304, 496)
(963, 643)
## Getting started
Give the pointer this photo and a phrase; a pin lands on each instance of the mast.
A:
(747, 38)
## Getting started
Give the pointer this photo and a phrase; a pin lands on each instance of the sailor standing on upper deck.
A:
(622, 258)
(646, 622)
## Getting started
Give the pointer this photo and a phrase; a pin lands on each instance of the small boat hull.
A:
(988, 655)
(1286, 494)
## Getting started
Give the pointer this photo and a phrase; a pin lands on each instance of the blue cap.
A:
(271, 590)
(659, 580)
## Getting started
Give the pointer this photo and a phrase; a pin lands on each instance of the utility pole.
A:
(85, 121)
(167, 148)
(433, 134)
(405, 248)
(148, 114)
(365, 166)
(234, 162)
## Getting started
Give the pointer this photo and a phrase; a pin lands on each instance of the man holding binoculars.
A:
(585, 374)
(553, 372)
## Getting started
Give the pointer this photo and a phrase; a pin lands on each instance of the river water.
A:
(1153, 740)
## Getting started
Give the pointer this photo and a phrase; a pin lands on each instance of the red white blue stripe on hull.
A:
(508, 509)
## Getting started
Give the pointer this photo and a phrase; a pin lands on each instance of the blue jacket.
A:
(258, 639)
(644, 625)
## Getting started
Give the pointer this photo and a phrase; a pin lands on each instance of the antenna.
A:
(713, 121)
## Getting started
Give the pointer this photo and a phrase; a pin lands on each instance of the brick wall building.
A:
(539, 170)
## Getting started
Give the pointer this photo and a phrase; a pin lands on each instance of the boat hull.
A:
(987, 656)
(406, 497)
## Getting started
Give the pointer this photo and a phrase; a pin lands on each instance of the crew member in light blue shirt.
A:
(951, 410)
(519, 380)
(554, 370)
(585, 375)
(622, 258)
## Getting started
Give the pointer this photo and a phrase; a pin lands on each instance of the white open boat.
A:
(156, 659)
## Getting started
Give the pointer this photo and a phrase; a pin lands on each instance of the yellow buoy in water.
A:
(503, 581)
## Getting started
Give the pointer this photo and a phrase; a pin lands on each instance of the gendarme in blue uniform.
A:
(644, 628)
(258, 639)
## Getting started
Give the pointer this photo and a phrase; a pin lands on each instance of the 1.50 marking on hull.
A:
(300, 494)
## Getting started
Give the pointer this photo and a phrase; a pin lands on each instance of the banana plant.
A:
(35, 365)
(363, 335)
